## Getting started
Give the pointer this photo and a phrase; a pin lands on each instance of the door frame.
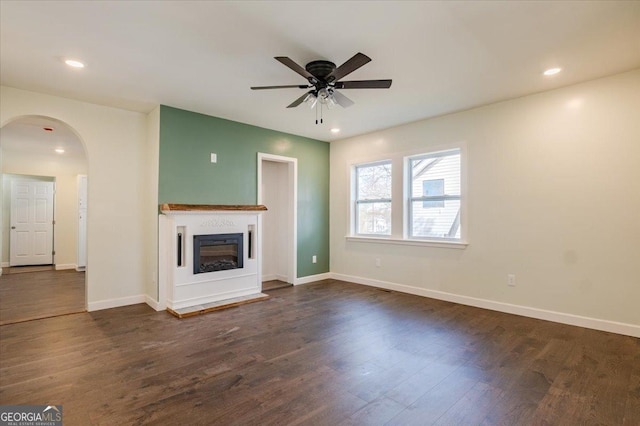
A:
(292, 189)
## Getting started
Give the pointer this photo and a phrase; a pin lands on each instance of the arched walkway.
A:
(39, 150)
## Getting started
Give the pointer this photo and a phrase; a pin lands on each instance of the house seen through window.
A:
(432, 187)
(434, 201)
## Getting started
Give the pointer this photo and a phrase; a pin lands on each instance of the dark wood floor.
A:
(33, 295)
(324, 353)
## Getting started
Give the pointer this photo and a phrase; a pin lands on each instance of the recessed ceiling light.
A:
(60, 150)
(335, 130)
(552, 71)
(73, 63)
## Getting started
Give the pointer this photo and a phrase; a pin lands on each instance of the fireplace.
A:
(198, 243)
(217, 252)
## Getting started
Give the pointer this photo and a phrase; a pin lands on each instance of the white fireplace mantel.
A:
(179, 286)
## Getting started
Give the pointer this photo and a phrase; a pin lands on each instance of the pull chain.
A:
(320, 108)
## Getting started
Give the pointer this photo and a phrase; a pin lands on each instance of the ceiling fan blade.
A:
(280, 87)
(298, 101)
(358, 60)
(363, 84)
(295, 67)
(342, 100)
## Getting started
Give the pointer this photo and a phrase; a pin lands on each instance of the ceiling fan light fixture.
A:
(311, 100)
(326, 97)
(331, 100)
(323, 95)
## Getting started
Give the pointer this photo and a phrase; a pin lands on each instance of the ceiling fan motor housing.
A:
(320, 69)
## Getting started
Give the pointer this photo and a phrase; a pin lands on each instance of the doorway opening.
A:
(277, 190)
(43, 213)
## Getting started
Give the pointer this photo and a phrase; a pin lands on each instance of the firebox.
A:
(217, 252)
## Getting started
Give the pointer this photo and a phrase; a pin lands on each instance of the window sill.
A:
(458, 245)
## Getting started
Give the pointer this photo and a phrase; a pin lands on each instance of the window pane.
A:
(374, 218)
(445, 168)
(433, 187)
(374, 182)
(429, 222)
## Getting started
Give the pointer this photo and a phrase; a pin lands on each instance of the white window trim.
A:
(407, 195)
(353, 216)
(398, 161)
(460, 245)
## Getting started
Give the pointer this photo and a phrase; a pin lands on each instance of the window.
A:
(434, 200)
(373, 198)
(432, 212)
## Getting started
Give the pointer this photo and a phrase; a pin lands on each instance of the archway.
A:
(38, 151)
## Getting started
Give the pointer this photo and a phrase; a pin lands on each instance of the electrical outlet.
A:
(377, 262)
(511, 280)
(314, 259)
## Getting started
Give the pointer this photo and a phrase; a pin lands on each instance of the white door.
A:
(31, 236)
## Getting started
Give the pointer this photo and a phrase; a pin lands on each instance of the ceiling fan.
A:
(323, 77)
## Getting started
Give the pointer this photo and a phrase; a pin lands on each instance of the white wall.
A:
(65, 172)
(275, 197)
(553, 197)
(151, 204)
(116, 145)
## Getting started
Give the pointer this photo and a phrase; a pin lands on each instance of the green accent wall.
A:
(187, 176)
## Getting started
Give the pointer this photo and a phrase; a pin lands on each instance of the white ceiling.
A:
(204, 55)
(27, 135)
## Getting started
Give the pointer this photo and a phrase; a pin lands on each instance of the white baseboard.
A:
(526, 311)
(272, 277)
(154, 303)
(312, 278)
(116, 303)
(64, 266)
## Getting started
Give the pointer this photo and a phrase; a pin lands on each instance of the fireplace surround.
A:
(208, 254)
